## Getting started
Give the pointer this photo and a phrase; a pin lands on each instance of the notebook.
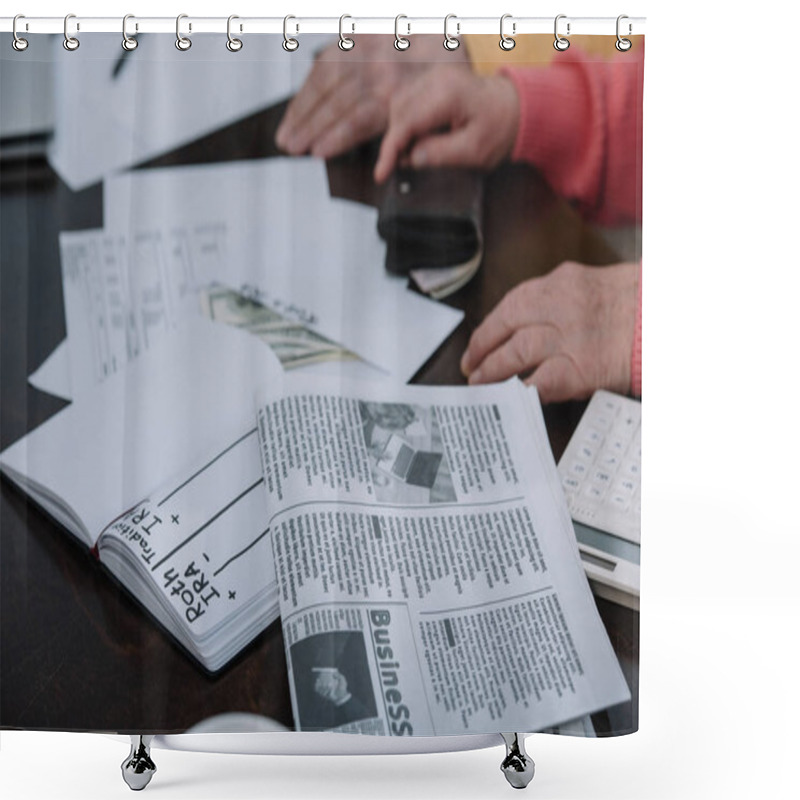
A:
(157, 472)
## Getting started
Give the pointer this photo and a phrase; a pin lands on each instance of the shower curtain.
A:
(295, 330)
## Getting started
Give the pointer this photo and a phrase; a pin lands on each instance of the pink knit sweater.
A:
(581, 126)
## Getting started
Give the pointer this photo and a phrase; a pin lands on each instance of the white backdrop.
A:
(720, 603)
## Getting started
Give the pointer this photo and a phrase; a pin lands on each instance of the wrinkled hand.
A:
(450, 117)
(570, 331)
(345, 99)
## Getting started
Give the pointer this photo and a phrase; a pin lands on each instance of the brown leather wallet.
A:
(431, 218)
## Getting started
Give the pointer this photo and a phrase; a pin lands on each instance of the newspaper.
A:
(428, 574)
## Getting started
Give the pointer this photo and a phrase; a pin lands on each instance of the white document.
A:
(123, 296)
(109, 117)
(163, 458)
(311, 257)
(104, 453)
(26, 86)
(53, 375)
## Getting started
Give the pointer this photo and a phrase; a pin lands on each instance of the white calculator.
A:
(601, 475)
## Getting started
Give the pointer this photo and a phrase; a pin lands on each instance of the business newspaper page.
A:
(429, 577)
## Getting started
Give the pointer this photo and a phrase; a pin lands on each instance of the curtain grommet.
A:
(289, 44)
(233, 44)
(623, 45)
(129, 43)
(70, 43)
(345, 42)
(183, 43)
(18, 43)
(451, 42)
(401, 42)
(507, 42)
(560, 43)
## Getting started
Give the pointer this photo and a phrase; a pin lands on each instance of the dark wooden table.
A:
(76, 652)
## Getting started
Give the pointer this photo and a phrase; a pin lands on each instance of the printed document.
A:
(113, 111)
(429, 578)
(265, 229)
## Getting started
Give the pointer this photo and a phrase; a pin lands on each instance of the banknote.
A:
(294, 344)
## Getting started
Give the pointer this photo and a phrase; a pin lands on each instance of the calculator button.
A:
(571, 484)
(586, 451)
(594, 491)
(610, 406)
(619, 501)
(601, 477)
(609, 461)
(626, 487)
(603, 421)
(618, 446)
(632, 469)
(626, 425)
(579, 468)
(594, 437)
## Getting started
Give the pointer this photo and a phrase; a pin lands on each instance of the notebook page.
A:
(113, 446)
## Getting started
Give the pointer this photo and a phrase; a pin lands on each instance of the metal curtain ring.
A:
(233, 44)
(560, 43)
(623, 45)
(128, 42)
(289, 44)
(18, 43)
(400, 42)
(506, 42)
(70, 42)
(345, 43)
(451, 42)
(183, 43)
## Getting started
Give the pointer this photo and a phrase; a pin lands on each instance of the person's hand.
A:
(331, 685)
(345, 99)
(450, 117)
(570, 332)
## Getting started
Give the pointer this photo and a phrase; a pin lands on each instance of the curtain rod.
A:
(512, 26)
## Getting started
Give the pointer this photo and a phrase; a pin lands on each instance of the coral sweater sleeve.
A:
(581, 125)
(636, 350)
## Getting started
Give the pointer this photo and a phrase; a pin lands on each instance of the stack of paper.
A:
(205, 284)
(257, 244)
(414, 540)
